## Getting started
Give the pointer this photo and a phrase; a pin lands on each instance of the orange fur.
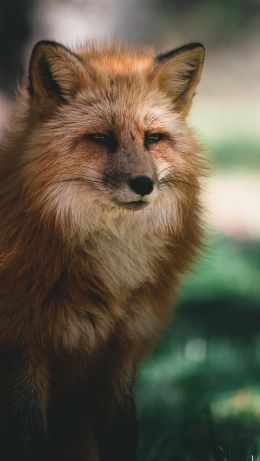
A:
(84, 282)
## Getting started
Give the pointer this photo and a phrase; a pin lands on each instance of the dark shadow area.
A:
(15, 31)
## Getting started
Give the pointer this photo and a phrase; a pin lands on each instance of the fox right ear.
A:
(178, 72)
(55, 73)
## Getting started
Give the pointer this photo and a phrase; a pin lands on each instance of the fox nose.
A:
(142, 185)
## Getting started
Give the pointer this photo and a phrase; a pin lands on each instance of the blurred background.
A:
(198, 394)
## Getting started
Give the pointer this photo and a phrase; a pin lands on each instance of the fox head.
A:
(108, 134)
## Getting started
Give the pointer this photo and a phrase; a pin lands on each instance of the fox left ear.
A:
(178, 72)
(55, 74)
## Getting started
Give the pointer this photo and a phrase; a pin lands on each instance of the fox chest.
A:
(126, 263)
(119, 267)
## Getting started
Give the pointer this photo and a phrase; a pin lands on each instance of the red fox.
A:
(100, 216)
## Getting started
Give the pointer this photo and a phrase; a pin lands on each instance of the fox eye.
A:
(153, 138)
(98, 138)
(106, 140)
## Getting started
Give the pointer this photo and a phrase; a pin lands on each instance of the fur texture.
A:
(88, 267)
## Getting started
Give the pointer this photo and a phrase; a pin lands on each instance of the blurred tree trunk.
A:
(15, 30)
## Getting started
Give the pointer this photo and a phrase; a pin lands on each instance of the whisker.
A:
(168, 168)
(174, 180)
(83, 181)
(187, 183)
(171, 182)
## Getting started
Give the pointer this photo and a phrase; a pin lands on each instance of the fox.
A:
(100, 216)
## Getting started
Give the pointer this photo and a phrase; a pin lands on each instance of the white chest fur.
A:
(126, 260)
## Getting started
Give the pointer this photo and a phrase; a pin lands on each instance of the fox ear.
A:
(55, 73)
(178, 72)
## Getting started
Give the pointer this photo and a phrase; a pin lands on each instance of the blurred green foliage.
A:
(199, 394)
(235, 154)
(218, 22)
(229, 269)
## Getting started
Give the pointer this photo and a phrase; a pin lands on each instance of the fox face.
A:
(109, 136)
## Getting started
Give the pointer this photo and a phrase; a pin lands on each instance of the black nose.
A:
(142, 185)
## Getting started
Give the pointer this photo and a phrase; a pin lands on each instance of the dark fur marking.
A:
(23, 437)
(47, 80)
(113, 179)
(108, 141)
(119, 440)
(55, 289)
(65, 420)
